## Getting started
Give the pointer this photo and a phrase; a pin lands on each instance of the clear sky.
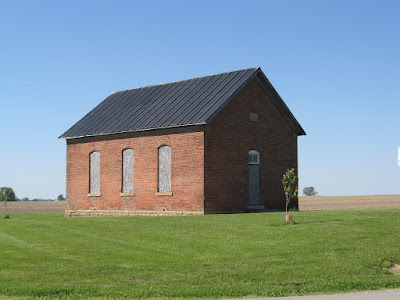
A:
(336, 64)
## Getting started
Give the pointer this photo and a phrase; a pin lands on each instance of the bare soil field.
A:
(33, 206)
(348, 202)
(305, 203)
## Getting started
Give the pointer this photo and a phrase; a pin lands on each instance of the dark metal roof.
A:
(182, 103)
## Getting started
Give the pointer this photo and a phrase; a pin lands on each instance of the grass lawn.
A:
(212, 256)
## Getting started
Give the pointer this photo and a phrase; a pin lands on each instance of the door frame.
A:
(254, 159)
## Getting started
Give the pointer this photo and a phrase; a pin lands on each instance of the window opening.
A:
(128, 171)
(164, 169)
(94, 158)
(253, 117)
(254, 157)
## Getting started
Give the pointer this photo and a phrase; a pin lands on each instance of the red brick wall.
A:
(227, 142)
(187, 171)
(209, 164)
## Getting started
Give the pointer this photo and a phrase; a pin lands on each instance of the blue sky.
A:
(336, 64)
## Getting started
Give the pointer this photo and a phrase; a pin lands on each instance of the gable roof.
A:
(194, 101)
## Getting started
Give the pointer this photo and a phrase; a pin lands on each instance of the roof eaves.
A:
(130, 131)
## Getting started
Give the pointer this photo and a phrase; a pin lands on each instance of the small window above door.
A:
(254, 157)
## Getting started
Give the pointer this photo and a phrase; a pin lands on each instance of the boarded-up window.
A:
(94, 173)
(164, 169)
(253, 117)
(128, 160)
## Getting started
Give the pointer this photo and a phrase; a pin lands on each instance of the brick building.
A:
(212, 144)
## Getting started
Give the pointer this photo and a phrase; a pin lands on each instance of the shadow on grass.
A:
(317, 221)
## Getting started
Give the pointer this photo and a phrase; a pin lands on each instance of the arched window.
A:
(254, 157)
(128, 171)
(164, 169)
(94, 158)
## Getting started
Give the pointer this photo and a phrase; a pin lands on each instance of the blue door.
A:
(254, 178)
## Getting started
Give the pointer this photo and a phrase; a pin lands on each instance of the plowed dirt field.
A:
(348, 202)
(305, 203)
(33, 206)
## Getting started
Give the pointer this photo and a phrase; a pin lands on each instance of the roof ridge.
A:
(163, 105)
(151, 85)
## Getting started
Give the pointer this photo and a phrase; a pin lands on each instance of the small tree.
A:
(6, 194)
(310, 191)
(290, 188)
(60, 197)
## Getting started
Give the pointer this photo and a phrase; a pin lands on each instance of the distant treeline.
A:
(59, 198)
(8, 194)
(27, 199)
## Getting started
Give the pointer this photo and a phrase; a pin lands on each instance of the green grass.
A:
(214, 256)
